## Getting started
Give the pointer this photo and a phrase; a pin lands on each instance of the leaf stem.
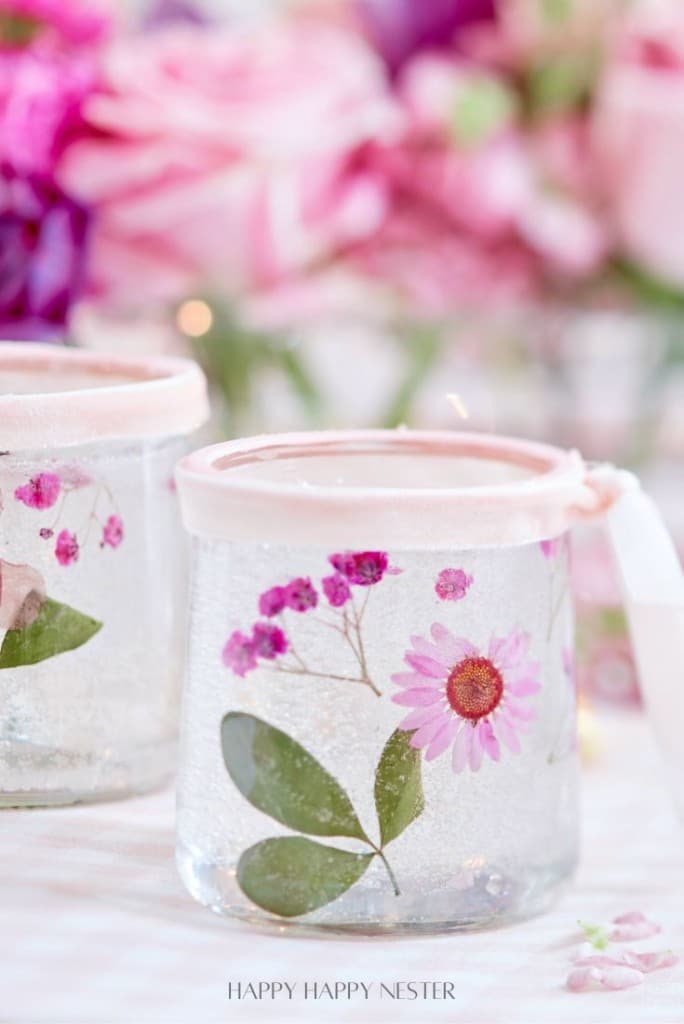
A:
(388, 869)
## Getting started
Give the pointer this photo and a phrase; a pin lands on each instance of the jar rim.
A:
(103, 396)
(218, 503)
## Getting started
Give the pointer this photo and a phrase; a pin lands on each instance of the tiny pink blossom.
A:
(633, 925)
(644, 962)
(268, 641)
(239, 654)
(45, 533)
(66, 548)
(272, 602)
(550, 548)
(113, 532)
(336, 589)
(452, 584)
(40, 492)
(362, 568)
(300, 595)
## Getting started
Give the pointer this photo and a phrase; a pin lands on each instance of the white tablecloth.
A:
(96, 926)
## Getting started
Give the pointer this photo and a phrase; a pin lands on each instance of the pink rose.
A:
(229, 157)
(639, 137)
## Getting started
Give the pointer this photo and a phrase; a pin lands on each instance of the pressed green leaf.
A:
(283, 780)
(57, 628)
(293, 875)
(398, 787)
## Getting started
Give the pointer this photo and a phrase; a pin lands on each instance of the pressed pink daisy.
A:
(466, 700)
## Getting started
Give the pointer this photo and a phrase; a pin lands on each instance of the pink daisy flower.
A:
(463, 699)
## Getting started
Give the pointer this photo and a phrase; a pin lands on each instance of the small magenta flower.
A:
(452, 584)
(272, 602)
(66, 548)
(45, 533)
(112, 533)
(239, 654)
(550, 548)
(40, 492)
(362, 568)
(268, 641)
(300, 595)
(336, 589)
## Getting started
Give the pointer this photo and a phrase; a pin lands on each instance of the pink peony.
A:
(66, 548)
(300, 595)
(239, 654)
(212, 156)
(22, 592)
(268, 641)
(112, 532)
(465, 700)
(41, 492)
(41, 93)
(74, 22)
(336, 589)
(638, 129)
(272, 602)
(453, 584)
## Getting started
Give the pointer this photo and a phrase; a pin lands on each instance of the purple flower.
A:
(400, 28)
(336, 589)
(66, 548)
(42, 250)
(272, 602)
(112, 532)
(362, 568)
(300, 595)
(239, 654)
(40, 492)
(268, 641)
(452, 584)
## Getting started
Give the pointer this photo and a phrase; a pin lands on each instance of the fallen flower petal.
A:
(612, 978)
(633, 926)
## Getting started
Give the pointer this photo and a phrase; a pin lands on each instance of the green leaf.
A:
(283, 780)
(483, 108)
(293, 875)
(57, 628)
(398, 788)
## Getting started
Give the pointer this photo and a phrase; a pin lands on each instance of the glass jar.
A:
(379, 714)
(91, 570)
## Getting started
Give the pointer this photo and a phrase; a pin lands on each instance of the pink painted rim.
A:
(217, 504)
(159, 396)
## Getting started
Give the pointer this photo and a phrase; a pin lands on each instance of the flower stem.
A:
(388, 869)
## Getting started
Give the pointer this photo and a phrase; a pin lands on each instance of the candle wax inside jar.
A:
(378, 468)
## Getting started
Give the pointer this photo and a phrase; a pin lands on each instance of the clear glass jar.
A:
(379, 713)
(92, 571)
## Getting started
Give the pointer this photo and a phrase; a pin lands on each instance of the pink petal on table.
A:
(633, 926)
(647, 962)
(592, 978)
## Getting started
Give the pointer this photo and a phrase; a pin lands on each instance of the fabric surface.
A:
(97, 927)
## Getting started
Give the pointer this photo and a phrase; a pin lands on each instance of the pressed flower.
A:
(272, 602)
(463, 699)
(40, 492)
(300, 595)
(550, 548)
(268, 641)
(452, 584)
(46, 533)
(239, 654)
(362, 568)
(336, 589)
(66, 548)
(112, 533)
